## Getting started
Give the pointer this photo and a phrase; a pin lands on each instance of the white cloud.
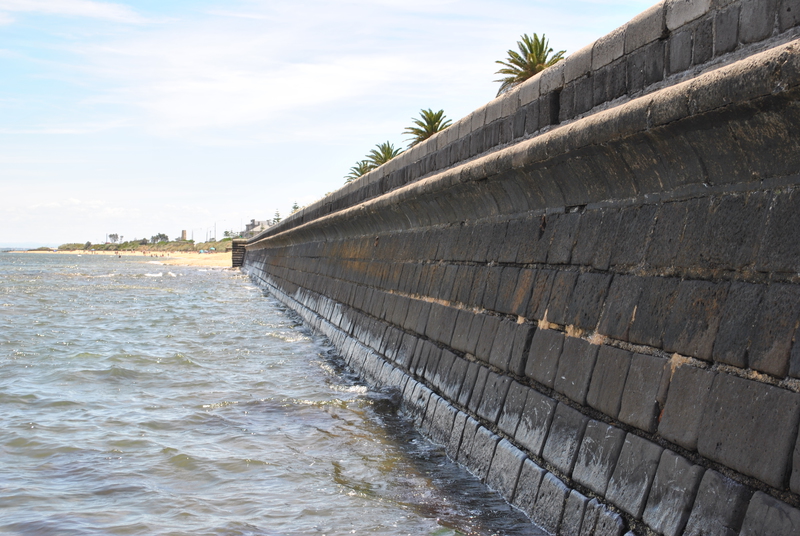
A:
(75, 8)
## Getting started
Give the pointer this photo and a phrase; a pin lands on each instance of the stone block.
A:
(503, 344)
(768, 515)
(586, 237)
(535, 422)
(551, 78)
(540, 294)
(608, 380)
(560, 296)
(545, 350)
(756, 20)
(726, 30)
(645, 66)
(645, 28)
(467, 441)
(477, 389)
(780, 251)
(645, 391)
(608, 523)
(578, 64)
(564, 233)
(694, 320)
(789, 14)
(519, 353)
(528, 486)
(587, 300)
(505, 469)
(605, 239)
(572, 518)
(494, 396)
(487, 337)
(623, 295)
(794, 482)
(598, 455)
(506, 291)
(564, 439)
(550, 502)
(703, 42)
(454, 443)
(655, 304)
(584, 96)
(633, 230)
(608, 48)
(750, 427)
(480, 458)
(688, 393)
(719, 507)
(679, 12)
(454, 378)
(470, 376)
(475, 330)
(672, 494)
(575, 367)
(633, 475)
(461, 330)
(667, 233)
(775, 326)
(513, 408)
(680, 51)
(737, 323)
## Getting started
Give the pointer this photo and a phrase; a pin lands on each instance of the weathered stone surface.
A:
(512, 409)
(597, 457)
(587, 300)
(737, 323)
(756, 20)
(443, 423)
(767, 515)
(608, 523)
(719, 507)
(503, 344)
(528, 486)
(750, 427)
(686, 402)
(672, 494)
(480, 457)
(572, 518)
(575, 367)
(550, 502)
(694, 319)
(535, 422)
(454, 443)
(505, 469)
(543, 357)
(467, 440)
(654, 307)
(560, 296)
(633, 475)
(645, 28)
(645, 390)
(477, 389)
(523, 336)
(564, 439)
(775, 326)
(620, 305)
(608, 380)
(679, 12)
(494, 396)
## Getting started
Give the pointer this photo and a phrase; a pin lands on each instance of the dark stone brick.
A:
(672, 494)
(655, 304)
(726, 30)
(599, 81)
(645, 66)
(481, 274)
(519, 353)
(634, 228)
(454, 443)
(564, 439)
(494, 396)
(550, 502)
(694, 319)
(575, 368)
(737, 323)
(633, 475)
(512, 409)
(598, 456)
(729, 239)
(605, 239)
(667, 233)
(506, 290)
(572, 518)
(522, 292)
(617, 315)
(467, 387)
(789, 14)
(703, 41)
(474, 333)
(560, 296)
(492, 284)
(535, 422)
(768, 515)
(617, 81)
(719, 508)
(421, 317)
(680, 51)
(587, 300)
(518, 126)
(566, 99)
(608, 380)
(608, 523)
(564, 233)
(528, 486)
(584, 97)
(532, 117)
(442, 371)
(756, 20)
(586, 237)
(453, 379)
(503, 344)
(505, 469)
(775, 326)
(441, 322)
(487, 337)
(688, 393)
(750, 427)
(543, 358)
(480, 457)
(645, 391)
(780, 250)
(477, 389)
(461, 331)
(540, 294)
(463, 284)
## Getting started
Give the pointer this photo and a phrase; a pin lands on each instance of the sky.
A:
(156, 116)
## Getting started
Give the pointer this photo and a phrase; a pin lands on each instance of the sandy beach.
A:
(175, 258)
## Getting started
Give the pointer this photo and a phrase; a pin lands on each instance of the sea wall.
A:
(598, 317)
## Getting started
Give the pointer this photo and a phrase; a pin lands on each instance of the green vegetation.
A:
(142, 245)
(533, 57)
(356, 171)
(428, 124)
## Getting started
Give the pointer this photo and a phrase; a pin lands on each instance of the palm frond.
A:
(428, 124)
(534, 56)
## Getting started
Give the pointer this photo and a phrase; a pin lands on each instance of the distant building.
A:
(254, 227)
(183, 235)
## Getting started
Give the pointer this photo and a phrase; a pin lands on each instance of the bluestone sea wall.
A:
(588, 290)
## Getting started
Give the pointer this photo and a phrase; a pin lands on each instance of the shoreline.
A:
(174, 258)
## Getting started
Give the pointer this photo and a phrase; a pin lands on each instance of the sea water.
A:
(139, 398)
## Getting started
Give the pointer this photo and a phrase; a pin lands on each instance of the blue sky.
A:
(148, 117)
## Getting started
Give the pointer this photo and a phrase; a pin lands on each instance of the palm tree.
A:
(356, 171)
(382, 154)
(428, 124)
(533, 57)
